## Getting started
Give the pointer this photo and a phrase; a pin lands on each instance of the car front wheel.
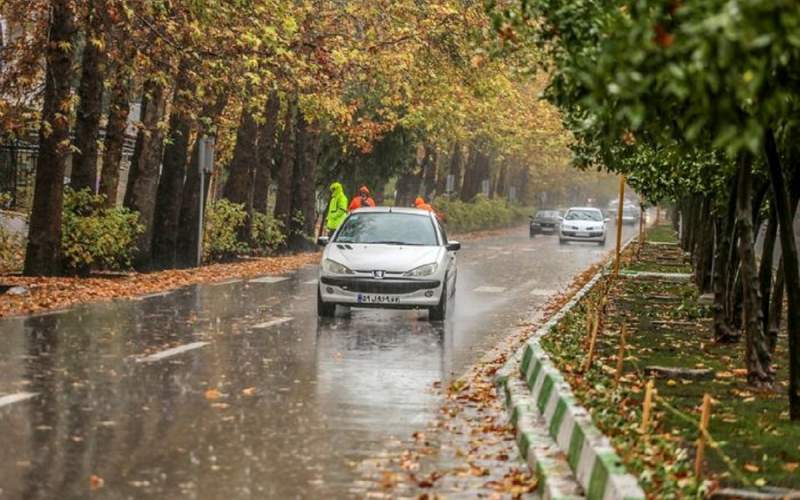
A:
(324, 310)
(439, 312)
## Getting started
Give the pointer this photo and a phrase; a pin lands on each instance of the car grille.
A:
(592, 234)
(368, 285)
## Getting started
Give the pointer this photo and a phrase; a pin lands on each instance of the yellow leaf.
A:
(213, 394)
(751, 468)
(249, 391)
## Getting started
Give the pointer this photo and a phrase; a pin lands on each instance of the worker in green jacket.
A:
(337, 208)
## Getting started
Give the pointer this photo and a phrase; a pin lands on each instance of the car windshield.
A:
(547, 214)
(389, 228)
(594, 215)
(629, 211)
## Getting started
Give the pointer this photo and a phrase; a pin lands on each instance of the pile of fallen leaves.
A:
(56, 293)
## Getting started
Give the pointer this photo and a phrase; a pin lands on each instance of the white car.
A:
(397, 258)
(583, 224)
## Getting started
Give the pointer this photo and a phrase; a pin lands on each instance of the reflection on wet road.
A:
(235, 390)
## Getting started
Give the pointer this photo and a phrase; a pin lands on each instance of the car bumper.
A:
(539, 228)
(589, 236)
(386, 293)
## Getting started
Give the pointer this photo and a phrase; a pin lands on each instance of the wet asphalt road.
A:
(236, 391)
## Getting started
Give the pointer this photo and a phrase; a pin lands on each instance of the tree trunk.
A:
(187, 244)
(757, 356)
(765, 275)
(283, 202)
(143, 178)
(429, 172)
(407, 189)
(267, 143)
(302, 224)
(245, 156)
(116, 130)
(43, 255)
(456, 162)
(792, 272)
(500, 185)
(724, 331)
(170, 185)
(90, 92)
(470, 186)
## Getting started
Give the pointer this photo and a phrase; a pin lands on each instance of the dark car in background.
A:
(545, 222)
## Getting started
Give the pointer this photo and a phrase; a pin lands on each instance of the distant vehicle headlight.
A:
(334, 267)
(425, 270)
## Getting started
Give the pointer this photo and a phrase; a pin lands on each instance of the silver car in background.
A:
(395, 258)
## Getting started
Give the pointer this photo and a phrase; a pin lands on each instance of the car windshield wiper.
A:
(388, 242)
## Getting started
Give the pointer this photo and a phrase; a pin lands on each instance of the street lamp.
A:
(205, 166)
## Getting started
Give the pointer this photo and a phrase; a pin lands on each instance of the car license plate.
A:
(364, 298)
(585, 234)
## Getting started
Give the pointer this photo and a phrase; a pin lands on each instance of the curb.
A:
(589, 454)
(676, 277)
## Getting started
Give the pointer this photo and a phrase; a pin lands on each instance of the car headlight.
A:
(333, 267)
(425, 270)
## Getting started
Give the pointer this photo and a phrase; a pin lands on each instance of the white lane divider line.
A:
(15, 398)
(171, 352)
(311, 282)
(541, 292)
(489, 289)
(272, 322)
(269, 279)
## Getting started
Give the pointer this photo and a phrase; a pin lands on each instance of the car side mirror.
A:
(322, 241)
(530, 217)
(606, 220)
(453, 246)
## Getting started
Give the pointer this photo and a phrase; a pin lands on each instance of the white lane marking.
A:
(227, 282)
(171, 352)
(541, 292)
(489, 289)
(269, 279)
(15, 398)
(272, 322)
(311, 282)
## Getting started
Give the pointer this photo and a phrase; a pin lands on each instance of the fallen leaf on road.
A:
(388, 480)
(213, 394)
(250, 391)
(95, 482)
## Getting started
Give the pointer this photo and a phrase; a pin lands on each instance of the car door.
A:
(449, 257)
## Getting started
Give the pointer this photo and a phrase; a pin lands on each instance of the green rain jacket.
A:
(337, 209)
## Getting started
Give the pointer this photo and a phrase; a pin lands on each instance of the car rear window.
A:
(547, 214)
(390, 228)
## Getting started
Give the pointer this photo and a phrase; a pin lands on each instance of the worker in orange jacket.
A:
(362, 200)
(420, 203)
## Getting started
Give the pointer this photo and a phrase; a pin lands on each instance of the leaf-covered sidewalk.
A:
(56, 293)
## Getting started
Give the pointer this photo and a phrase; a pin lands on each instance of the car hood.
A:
(582, 224)
(390, 258)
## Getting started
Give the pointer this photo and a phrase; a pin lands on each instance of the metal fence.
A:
(18, 159)
(17, 168)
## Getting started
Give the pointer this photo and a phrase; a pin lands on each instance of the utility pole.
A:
(619, 223)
